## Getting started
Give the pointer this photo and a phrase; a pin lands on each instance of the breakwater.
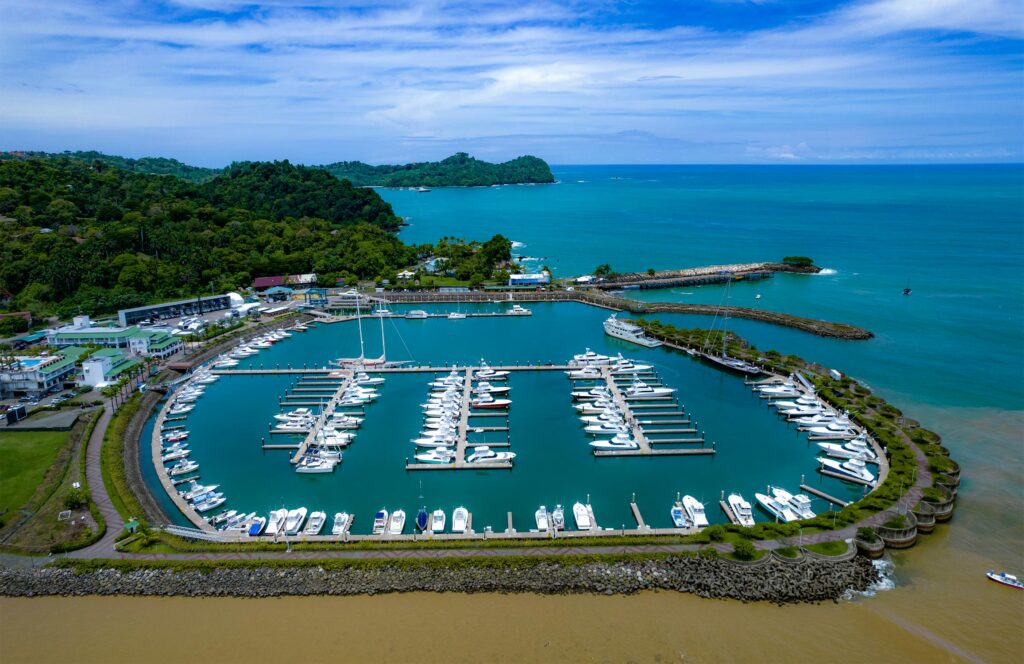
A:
(814, 326)
(697, 276)
(768, 579)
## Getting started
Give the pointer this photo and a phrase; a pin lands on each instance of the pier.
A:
(823, 495)
(321, 419)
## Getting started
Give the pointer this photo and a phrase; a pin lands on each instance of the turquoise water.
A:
(553, 466)
(951, 354)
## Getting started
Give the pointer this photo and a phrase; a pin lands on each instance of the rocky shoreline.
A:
(769, 580)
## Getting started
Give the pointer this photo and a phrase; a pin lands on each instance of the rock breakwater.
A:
(767, 580)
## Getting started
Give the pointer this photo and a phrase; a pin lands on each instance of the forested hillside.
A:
(458, 170)
(152, 165)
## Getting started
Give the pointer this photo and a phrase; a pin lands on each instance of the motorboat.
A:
(803, 401)
(605, 429)
(297, 414)
(416, 314)
(487, 401)
(586, 373)
(275, 522)
(222, 518)
(310, 464)
(1006, 579)
(851, 468)
(600, 392)
(741, 509)
(484, 454)
(641, 390)
(679, 516)
(779, 509)
(456, 315)
(695, 511)
(558, 518)
(196, 489)
(518, 310)
(620, 329)
(174, 454)
(363, 378)
(210, 503)
(483, 387)
(437, 455)
(541, 517)
(239, 522)
(341, 521)
(182, 467)
(447, 440)
(589, 357)
(581, 515)
(315, 524)
(256, 526)
(607, 416)
(380, 520)
(818, 419)
(293, 522)
(487, 373)
(799, 503)
(595, 407)
(460, 520)
(622, 366)
(857, 448)
(422, 520)
(397, 523)
(621, 441)
(437, 520)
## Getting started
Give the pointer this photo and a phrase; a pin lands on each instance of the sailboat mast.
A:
(359, 323)
(383, 342)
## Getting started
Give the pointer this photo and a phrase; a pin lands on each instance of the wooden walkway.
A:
(322, 419)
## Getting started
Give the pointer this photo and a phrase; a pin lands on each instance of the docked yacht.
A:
(437, 455)
(416, 314)
(210, 503)
(380, 520)
(311, 464)
(733, 364)
(341, 520)
(641, 390)
(838, 430)
(275, 524)
(182, 467)
(622, 366)
(558, 518)
(595, 407)
(541, 517)
(362, 378)
(586, 373)
(293, 522)
(589, 357)
(600, 392)
(487, 401)
(484, 454)
(175, 454)
(397, 523)
(695, 511)
(679, 518)
(487, 373)
(292, 415)
(518, 310)
(581, 515)
(456, 315)
(779, 509)
(483, 387)
(858, 448)
(606, 429)
(851, 468)
(799, 503)
(620, 329)
(256, 526)
(195, 489)
(460, 518)
(621, 441)
(741, 509)
(437, 519)
(315, 524)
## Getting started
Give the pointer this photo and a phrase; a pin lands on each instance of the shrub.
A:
(787, 551)
(744, 550)
(715, 533)
(75, 498)
(867, 534)
(802, 261)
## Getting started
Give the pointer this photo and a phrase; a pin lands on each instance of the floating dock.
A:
(824, 496)
(322, 419)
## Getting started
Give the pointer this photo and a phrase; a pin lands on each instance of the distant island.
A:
(458, 170)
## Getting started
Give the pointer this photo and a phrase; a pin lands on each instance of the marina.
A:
(666, 442)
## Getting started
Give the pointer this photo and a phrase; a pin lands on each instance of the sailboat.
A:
(457, 314)
(362, 362)
(731, 363)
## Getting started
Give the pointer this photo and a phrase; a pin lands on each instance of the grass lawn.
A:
(834, 548)
(25, 456)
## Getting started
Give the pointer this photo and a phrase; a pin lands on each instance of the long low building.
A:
(152, 342)
(164, 310)
(37, 374)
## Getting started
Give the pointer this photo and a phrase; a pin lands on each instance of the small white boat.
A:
(460, 518)
(695, 511)
(679, 519)
(541, 517)
(437, 519)
(581, 515)
(456, 315)
(293, 523)
(397, 523)
(741, 509)
(275, 523)
(341, 520)
(1006, 579)
(517, 310)
(216, 501)
(558, 518)
(182, 467)
(315, 524)
(416, 314)
(256, 526)
(380, 520)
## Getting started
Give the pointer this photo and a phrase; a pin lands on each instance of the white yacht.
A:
(487, 401)
(741, 509)
(380, 520)
(310, 464)
(517, 310)
(437, 520)
(341, 521)
(623, 366)
(581, 515)
(362, 378)
(695, 511)
(777, 508)
(541, 517)
(607, 429)
(620, 329)
(487, 373)
(641, 390)
(294, 520)
(484, 454)
(297, 414)
(589, 357)
(456, 315)
(852, 468)
(800, 504)
(586, 373)
(621, 441)
(275, 524)
(599, 392)
(397, 523)
(437, 455)
(460, 519)
(558, 518)
(858, 448)
(315, 524)
(416, 314)
(182, 467)
(483, 387)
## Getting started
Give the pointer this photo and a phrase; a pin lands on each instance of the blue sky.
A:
(691, 81)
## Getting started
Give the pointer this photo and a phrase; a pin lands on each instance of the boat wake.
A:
(886, 580)
(518, 245)
(827, 271)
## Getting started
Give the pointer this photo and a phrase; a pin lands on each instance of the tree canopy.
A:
(458, 170)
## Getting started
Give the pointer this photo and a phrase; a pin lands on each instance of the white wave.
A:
(518, 245)
(827, 271)
(886, 580)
